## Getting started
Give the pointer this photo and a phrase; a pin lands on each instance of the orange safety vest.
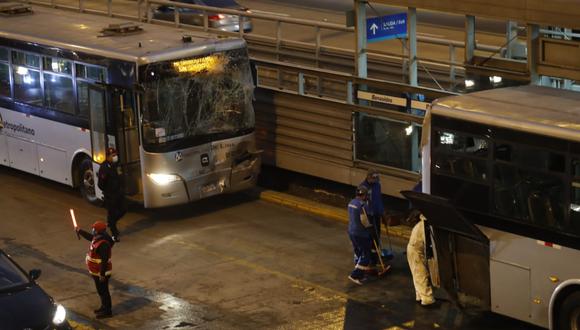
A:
(94, 260)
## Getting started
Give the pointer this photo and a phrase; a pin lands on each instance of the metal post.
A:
(205, 21)
(405, 64)
(81, 5)
(241, 20)
(139, 4)
(148, 11)
(300, 83)
(176, 17)
(318, 36)
(511, 34)
(278, 46)
(412, 35)
(349, 92)
(452, 64)
(533, 53)
(110, 7)
(361, 38)
(469, 38)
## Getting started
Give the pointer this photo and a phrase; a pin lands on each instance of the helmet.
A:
(99, 226)
(362, 190)
(111, 151)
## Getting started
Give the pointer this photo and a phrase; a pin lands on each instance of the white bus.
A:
(176, 105)
(502, 168)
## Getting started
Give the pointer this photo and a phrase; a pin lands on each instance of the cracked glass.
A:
(195, 100)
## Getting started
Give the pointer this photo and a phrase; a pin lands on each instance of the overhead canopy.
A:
(561, 13)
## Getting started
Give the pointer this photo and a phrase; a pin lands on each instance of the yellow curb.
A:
(79, 326)
(326, 211)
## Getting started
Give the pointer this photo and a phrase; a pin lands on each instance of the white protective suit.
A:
(418, 264)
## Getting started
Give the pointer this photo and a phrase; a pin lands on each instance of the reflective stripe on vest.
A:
(94, 261)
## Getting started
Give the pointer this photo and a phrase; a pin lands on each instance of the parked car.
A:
(23, 303)
(224, 22)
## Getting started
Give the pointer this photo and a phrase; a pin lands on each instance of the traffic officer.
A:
(376, 209)
(99, 264)
(359, 235)
(110, 183)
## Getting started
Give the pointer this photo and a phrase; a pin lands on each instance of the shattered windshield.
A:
(196, 100)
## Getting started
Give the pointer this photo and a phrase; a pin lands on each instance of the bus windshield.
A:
(197, 100)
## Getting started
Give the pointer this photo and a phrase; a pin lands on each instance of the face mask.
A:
(115, 159)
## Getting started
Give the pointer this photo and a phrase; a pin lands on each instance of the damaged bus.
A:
(502, 177)
(176, 105)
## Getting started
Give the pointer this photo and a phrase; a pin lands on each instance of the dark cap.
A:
(361, 190)
(373, 173)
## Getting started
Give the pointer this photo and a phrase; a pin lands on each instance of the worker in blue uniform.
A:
(376, 209)
(359, 235)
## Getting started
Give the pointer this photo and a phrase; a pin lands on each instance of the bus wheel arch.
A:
(83, 177)
(566, 309)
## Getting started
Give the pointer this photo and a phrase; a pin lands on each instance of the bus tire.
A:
(569, 315)
(86, 181)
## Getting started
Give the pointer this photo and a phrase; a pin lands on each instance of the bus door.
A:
(98, 126)
(461, 251)
(125, 131)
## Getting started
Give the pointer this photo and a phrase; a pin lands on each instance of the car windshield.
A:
(196, 100)
(10, 275)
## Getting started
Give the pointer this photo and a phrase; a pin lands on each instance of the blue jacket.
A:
(355, 226)
(376, 205)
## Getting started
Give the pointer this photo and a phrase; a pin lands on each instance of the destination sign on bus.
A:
(196, 65)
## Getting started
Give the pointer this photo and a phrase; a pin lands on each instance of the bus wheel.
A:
(87, 181)
(569, 316)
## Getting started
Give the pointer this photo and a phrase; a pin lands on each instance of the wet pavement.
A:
(229, 262)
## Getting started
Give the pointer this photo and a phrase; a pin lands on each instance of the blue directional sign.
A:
(387, 27)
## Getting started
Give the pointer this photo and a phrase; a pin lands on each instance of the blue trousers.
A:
(362, 251)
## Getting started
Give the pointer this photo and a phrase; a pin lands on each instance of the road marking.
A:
(79, 326)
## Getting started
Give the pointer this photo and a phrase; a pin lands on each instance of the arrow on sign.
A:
(374, 28)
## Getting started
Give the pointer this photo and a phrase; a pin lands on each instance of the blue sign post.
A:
(387, 27)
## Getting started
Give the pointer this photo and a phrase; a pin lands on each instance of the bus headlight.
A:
(59, 315)
(163, 179)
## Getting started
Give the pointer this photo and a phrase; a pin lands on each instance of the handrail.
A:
(276, 41)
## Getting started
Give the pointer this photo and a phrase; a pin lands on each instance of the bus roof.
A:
(82, 33)
(540, 110)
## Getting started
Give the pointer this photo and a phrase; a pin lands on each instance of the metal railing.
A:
(316, 53)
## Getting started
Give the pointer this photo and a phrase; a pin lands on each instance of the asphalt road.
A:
(230, 262)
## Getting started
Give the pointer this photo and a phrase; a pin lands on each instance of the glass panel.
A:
(387, 142)
(25, 59)
(527, 156)
(196, 98)
(57, 65)
(455, 165)
(4, 80)
(27, 85)
(445, 141)
(83, 98)
(95, 73)
(10, 275)
(574, 225)
(529, 196)
(81, 71)
(98, 128)
(4, 54)
(58, 93)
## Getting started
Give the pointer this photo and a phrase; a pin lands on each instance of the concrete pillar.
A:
(412, 36)
(361, 38)
(533, 53)
(469, 38)
(511, 34)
